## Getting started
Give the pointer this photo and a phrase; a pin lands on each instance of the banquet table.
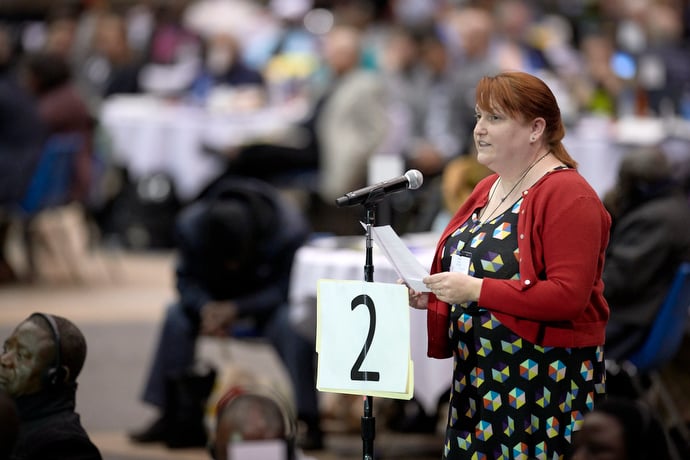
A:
(599, 144)
(342, 258)
(150, 134)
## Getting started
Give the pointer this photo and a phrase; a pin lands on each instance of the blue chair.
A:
(49, 188)
(665, 337)
(53, 176)
(660, 347)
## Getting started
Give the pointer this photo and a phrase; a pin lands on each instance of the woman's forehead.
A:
(490, 108)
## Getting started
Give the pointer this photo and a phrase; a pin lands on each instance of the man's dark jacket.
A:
(50, 429)
(261, 283)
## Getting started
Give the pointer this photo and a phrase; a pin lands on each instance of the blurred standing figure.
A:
(21, 137)
(119, 63)
(171, 41)
(599, 89)
(472, 29)
(39, 366)
(515, 292)
(437, 133)
(62, 110)
(346, 125)
(352, 122)
(649, 240)
(514, 47)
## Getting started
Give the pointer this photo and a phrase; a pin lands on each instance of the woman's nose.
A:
(479, 127)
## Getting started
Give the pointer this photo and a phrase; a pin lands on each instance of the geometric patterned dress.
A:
(510, 399)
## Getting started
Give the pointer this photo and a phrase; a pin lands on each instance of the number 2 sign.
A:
(363, 339)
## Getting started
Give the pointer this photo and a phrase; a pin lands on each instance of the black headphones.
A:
(55, 374)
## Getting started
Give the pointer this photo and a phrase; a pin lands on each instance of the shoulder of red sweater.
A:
(567, 180)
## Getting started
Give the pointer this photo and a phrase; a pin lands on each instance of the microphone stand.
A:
(368, 419)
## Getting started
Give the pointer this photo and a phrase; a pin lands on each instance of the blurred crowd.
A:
(382, 77)
(613, 57)
(386, 79)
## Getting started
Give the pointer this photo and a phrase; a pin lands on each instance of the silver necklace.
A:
(519, 181)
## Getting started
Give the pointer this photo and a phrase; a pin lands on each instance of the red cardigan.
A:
(558, 301)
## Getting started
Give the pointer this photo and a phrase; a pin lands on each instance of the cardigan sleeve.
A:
(561, 258)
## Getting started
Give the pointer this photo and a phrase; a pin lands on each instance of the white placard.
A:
(265, 449)
(363, 338)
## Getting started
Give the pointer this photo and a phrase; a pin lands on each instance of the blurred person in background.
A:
(246, 414)
(436, 132)
(459, 178)
(620, 429)
(399, 64)
(235, 250)
(282, 46)
(514, 47)
(664, 71)
(171, 41)
(21, 139)
(471, 29)
(39, 366)
(119, 63)
(62, 110)
(346, 125)
(600, 89)
(61, 31)
(173, 53)
(223, 67)
(69, 31)
(649, 240)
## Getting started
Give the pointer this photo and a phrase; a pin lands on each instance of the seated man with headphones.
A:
(39, 366)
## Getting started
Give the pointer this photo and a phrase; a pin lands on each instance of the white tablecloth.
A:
(149, 135)
(343, 258)
(599, 144)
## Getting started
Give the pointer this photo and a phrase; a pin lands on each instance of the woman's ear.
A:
(537, 128)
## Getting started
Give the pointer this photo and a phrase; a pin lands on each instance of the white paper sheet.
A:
(399, 255)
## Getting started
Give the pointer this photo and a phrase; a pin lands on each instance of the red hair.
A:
(525, 97)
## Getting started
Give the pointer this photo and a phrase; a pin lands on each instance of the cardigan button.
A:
(527, 282)
(522, 236)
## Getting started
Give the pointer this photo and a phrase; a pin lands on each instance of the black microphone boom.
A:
(412, 180)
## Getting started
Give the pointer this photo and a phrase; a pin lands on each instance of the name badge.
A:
(460, 262)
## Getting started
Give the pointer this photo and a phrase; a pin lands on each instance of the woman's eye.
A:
(488, 116)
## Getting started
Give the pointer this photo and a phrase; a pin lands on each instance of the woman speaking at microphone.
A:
(515, 291)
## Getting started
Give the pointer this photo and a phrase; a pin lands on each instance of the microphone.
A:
(412, 179)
